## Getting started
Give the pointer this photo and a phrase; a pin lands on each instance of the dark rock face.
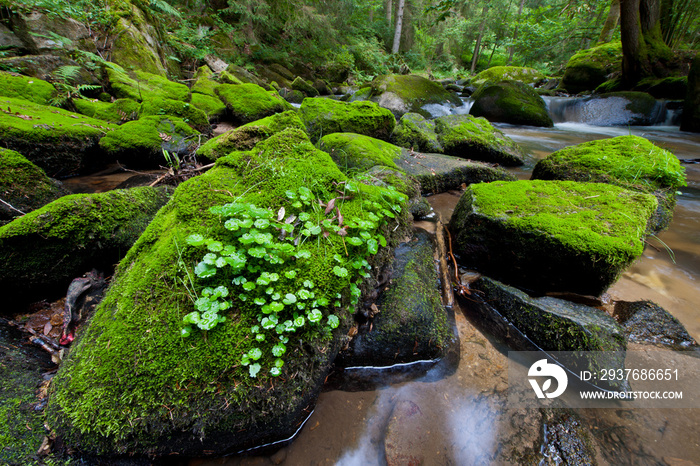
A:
(647, 322)
(691, 109)
(511, 102)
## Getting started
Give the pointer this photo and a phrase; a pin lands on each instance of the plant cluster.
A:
(261, 265)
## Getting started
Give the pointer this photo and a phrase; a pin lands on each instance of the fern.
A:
(66, 73)
(165, 7)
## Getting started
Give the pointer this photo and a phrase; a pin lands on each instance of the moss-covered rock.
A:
(551, 235)
(324, 116)
(410, 93)
(511, 102)
(24, 186)
(416, 132)
(137, 42)
(412, 323)
(631, 162)
(190, 114)
(237, 75)
(475, 138)
(589, 68)
(133, 384)
(119, 111)
(204, 82)
(212, 106)
(141, 143)
(249, 135)
(250, 102)
(27, 88)
(300, 84)
(141, 85)
(62, 143)
(590, 339)
(41, 252)
(670, 87)
(496, 74)
(691, 107)
(357, 152)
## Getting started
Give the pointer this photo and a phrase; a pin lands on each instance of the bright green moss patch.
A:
(204, 82)
(168, 89)
(189, 113)
(250, 102)
(416, 91)
(324, 116)
(414, 131)
(212, 106)
(247, 136)
(508, 73)
(356, 152)
(25, 87)
(589, 68)
(511, 102)
(119, 111)
(301, 85)
(142, 85)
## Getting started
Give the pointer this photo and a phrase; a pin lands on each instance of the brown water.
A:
(462, 419)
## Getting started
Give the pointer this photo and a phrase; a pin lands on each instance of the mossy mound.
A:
(60, 142)
(204, 82)
(412, 323)
(551, 235)
(141, 143)
(24, 186)
(555, 325)
(357, 153)
(132, 384)
(324, 116)
(468, 137)
(691, 107)
(631, 162)
(25, 87)
(250, 102)
(671, 87)
(41, 252)
(190, 114)
(212, 106)
(247, 136)
(416, 132)
(589, 68)
(496, 74)
(300, 84)
(117, 112)
(410, 93)
(141, 85)
(136, 42)
(511, 102)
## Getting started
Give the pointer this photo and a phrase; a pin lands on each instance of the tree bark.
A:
(399, 25)
(610, 22)
(389, 14)
(477, 46)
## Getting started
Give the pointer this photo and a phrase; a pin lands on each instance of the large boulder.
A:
(410, 93)
(496, 74)
(435, 173)
(41, 252)
(511, 102)
(590, 68)
(141, 85)
(137, 44)
(324, 116)
(189, 113)
(475, 138)
(62, 143)
(24, 186)
(250, 102)
(631, 162)
(153, 374)
(25, 87)
(416, 132)
(616, 109)
(551, 235)
(691, 108)
(248, 136)
(119, 111)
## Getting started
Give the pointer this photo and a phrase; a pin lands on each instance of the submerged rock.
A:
(410, 93)
(589, 68)
(510, 102)
(325, 116)
(250, 102)
(631, 162)
(406, 440)
(647, 322)
(551, 235)
(41, 252)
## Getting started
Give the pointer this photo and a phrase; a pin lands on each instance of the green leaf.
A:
(289, 298)
(203, 270)
(340, 271)
(279, 349)
(262, 223)
(248, 286)
(372, 246)
(315, 315)
(254, 369)
(354, 240)
(333, 321)
(290, 194)
(215, 246)
(279, 363)
(299, 321)
(255, 354)
(290, 273)
(308, 283)
(186, 331)
(195, 240)
(259, 337)
(275, 372)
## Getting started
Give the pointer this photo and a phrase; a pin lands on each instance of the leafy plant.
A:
(64, 78)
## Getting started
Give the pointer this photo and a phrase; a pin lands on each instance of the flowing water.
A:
(461, 417)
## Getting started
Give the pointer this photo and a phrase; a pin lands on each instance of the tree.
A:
(399, 25)
(611, 21)
(477, 46)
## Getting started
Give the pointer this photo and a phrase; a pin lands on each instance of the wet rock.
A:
(647, 322)
(408, 321)
(510, 102)
(325, 116)
(589, 68)
(250, 102)
(566, 440)
(406, 440)
(617, 109)
(410, 93)
(41, 252)
(551, 235)
(631, 162)
(137, 42)
(300, 84)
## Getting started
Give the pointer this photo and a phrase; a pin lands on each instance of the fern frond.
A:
(66, 73)
(165, 7)
(88, 87)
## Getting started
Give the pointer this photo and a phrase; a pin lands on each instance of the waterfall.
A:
(609, 111)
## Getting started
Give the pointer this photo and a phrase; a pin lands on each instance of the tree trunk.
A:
(477, 46)
(511, 49)
(389, 13)
(632, 48)
(610, 23)
(399, 25)
(644, 52)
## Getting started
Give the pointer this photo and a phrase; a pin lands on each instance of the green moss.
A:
(299, 84)
(132, 384)
(190, 114)
(415, 132)
(212, 106)
(324, 116)
(589, 68)
(131, 48)
(161, 84)
(25, 87)
(24, 185)
(416, 91)
(475, 138)
(671, 87)
(143, 85)
(229, 78)
(250, 102)
(204, 82)
(247, 136)
(511, 102)
(140, 143)
(58, 141)
(356, 152)
(497, 74)
(119, 111)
